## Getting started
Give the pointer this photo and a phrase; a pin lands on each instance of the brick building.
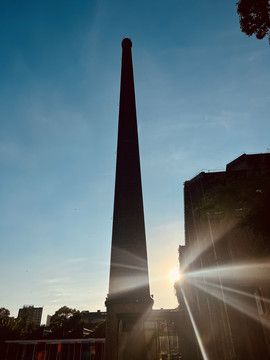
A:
(225, 261)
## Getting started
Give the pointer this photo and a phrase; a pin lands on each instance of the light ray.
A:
(203, 242)
(203, 352)
(174, 275)
(196, 251)
(125, 266)
(123, 284)
(244, 272)
(235, 291)
(136, 330)
(128, 259)
(130, 272)
(229, 300)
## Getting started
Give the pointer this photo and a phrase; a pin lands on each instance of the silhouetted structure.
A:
(160, 331)
(30, 314)
(129, 271)
(226, 261)
(128, 302)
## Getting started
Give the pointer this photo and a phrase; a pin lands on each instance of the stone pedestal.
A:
(125, 330)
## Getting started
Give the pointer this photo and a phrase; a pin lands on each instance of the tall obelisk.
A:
(128, 302)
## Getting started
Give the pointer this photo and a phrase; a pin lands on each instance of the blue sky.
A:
(202, 93)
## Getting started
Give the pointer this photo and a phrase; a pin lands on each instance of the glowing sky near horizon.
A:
(202, 94)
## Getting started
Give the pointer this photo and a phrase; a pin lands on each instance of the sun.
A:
(174, 275)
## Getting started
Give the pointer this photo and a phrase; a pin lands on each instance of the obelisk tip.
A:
(126, 43)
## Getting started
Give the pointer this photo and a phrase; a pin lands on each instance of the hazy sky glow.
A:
(202, 94)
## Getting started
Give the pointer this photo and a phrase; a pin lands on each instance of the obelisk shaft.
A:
(129, 269)
(128, 303)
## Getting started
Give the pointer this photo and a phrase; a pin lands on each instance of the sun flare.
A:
(174, 275)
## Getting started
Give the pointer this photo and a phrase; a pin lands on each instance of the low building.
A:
(63, 349)
(92, 319)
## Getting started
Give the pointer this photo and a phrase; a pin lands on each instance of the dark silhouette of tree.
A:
(66, 323)
(254, 17)
(15, 329)
(61, 316)
(10, 329)
(4, 312)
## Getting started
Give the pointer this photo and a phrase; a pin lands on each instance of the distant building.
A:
(225, 262)
(48, 321)
(31, 314)
(92, 319)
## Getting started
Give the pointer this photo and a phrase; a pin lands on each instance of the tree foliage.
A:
(66, 322)
(17, 328)
(254, 17)
(61, 316)
(4, 312)
(11, 328)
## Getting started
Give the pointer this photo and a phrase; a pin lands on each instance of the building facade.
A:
(30, 314)
(225, 288)
(92, 319)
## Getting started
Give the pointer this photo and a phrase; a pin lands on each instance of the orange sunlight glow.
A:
(174, 275)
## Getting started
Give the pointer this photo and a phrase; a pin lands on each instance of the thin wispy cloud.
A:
(56, 280)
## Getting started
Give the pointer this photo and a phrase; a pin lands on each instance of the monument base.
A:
(125, 330)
